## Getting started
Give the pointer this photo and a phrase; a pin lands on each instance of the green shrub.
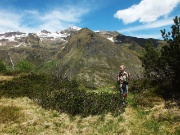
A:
(12, 72)
(145, 91)
(60, 94)
(75, 101)
(2, 67)
(24, 66)
(164, 66)
(29, 85)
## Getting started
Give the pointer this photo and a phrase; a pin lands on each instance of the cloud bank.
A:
(152, 25)
(58, 18)
(146, 11)
(9, 20)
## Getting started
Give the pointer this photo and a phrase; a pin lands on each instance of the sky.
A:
(138, 18)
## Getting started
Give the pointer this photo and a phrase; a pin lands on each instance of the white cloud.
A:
(66, 15)
(147, 11)
(9, 21)
(149, 30)
(34, 20)
(152, 25)
(155, 36)
(54, 25)
(62, 18)
(31, 12)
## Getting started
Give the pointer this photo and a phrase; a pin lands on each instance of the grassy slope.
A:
(32, 119)
(23, 116)
(91, 57)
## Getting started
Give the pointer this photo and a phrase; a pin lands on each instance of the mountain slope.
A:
(75, 53)
(91, 57)
(137, 44)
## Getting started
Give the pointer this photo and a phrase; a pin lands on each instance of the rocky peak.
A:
(10, 34)
(45, 31)
(32, 38)
(70, 30)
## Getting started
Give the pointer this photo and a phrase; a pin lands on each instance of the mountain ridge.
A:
(90, 56)
(113, 36)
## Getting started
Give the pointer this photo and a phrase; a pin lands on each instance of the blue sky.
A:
(139, 18)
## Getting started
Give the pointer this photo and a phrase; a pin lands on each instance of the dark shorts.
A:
(123, 89)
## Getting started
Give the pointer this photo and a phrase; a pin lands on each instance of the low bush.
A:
(29, 85)
(75, 101)
(147, 98)
(157, 87)
(2, 67)
(60, 94)
(12, 72)
(145, 92)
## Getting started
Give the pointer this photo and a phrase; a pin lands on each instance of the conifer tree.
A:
(150, 60)
(171, 54)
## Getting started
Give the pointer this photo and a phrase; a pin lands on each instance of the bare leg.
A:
(124, 98)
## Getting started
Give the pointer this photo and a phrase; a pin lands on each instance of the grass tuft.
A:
(10, 114)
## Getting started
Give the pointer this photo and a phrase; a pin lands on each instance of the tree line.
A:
(163, 66)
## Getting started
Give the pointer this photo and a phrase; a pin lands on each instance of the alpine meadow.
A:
(65, 83)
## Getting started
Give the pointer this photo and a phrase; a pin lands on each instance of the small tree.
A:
(165, 65)
(150, 60)
(24, 66)
(171, 54)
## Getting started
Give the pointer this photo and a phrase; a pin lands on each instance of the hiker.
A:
(122, 79)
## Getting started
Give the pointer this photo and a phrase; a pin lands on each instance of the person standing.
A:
(123, 77)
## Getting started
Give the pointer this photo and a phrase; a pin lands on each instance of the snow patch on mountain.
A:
(12, 35)
(49, 35)
(75, 28)
(44, 34)
(106, 34)
(18, 38)
(21, 44)
(111, 39)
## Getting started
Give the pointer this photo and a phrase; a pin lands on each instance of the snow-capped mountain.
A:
(44, 34)
(110, 35)
(12, 35)
(16, 38)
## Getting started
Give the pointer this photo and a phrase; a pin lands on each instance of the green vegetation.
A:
(71, 109)
(31, 118)
(171, 55)
(24, 66)
(62, 95)
(2, 67)
(163, 68)
(32, 103)
(150, 59)
(9, 114)
(94, 59)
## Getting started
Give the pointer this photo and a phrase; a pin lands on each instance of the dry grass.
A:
(2, 78)
(36, 120)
